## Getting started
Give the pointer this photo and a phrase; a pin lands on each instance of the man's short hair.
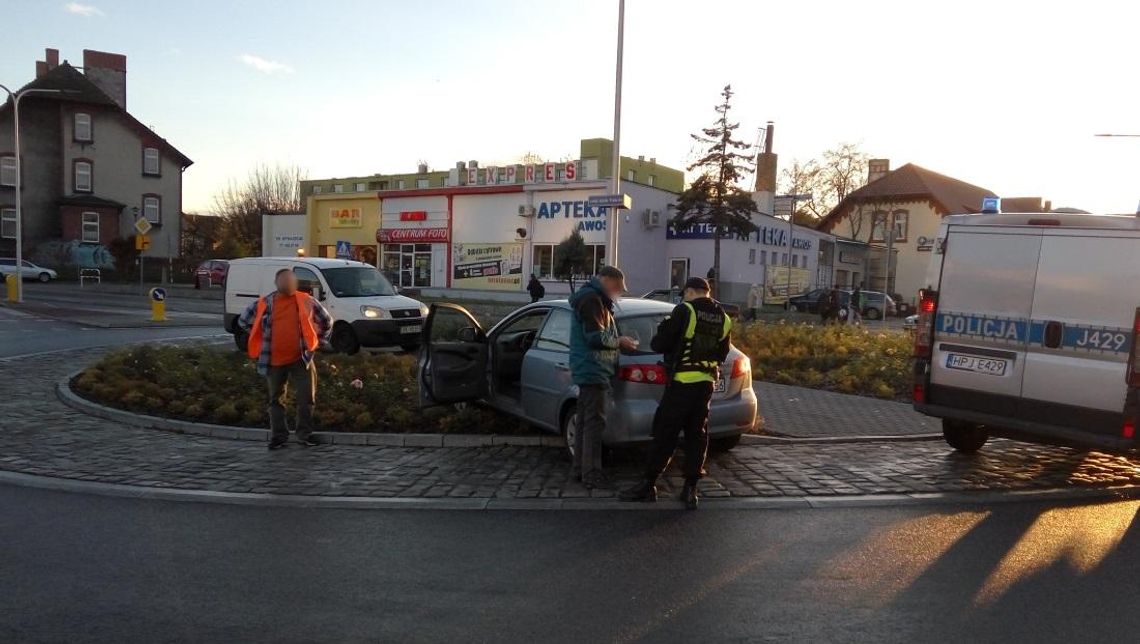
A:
(613, 272)
(278, 273)
(699, 284)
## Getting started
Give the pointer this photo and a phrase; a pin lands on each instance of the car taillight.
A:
(919, 393)
(741, 367)
(650, 374)
(1133, 357)
(1128, 429)
(924, 328)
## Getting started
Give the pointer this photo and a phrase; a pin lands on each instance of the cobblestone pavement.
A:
(41, 436)
(802, 412)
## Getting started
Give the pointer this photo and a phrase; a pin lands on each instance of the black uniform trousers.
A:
(684, 407)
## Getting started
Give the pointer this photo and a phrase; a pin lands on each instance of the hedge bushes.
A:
(359, 393)
(848, 359)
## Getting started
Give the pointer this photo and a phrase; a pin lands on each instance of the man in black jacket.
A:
(695, 341)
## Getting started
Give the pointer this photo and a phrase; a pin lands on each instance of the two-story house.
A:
(89, 168)
(912, 200)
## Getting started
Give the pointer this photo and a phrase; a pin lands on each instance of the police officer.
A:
(695, 341)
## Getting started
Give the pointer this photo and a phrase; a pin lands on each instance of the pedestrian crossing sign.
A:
(343, 250)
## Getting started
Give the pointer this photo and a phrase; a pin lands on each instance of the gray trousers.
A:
(591, 426)
(304, 381)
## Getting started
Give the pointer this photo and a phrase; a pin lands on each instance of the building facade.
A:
(89, 168)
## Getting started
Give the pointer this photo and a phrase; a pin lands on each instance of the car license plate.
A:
(977, 364)
(719, 386)
(416, 328)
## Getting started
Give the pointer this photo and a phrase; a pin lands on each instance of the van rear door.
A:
(1081, 333)
(982, 326)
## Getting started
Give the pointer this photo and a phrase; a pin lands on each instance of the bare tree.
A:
(268, 190)
(804, 178)
(843, 170)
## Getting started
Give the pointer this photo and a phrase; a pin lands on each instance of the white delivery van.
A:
(1027, 329)
(366, 308)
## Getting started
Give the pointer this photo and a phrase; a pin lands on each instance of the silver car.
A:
(521, 366)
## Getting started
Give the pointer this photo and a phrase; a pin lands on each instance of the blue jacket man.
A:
(594, 346)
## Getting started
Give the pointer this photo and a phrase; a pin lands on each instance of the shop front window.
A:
(407, 265)
(543, 261)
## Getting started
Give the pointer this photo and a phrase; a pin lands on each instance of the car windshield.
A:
(641, 328)
(357, 282)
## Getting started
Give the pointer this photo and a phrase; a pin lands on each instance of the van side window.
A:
(307, 280)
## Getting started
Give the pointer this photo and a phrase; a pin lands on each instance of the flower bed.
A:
(847, 359)
(361, 393)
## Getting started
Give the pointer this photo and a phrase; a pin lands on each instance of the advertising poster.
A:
(487, 266)
(776, 283)
(345, 218)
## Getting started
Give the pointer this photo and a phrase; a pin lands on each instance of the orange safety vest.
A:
(304, 314)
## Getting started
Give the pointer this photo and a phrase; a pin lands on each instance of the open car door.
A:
(453, 360)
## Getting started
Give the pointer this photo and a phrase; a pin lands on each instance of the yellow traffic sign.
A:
(142, 225)
(142, 242)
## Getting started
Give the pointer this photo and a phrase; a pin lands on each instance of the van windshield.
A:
(357, 282)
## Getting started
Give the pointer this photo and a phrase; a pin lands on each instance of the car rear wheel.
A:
(964, 437)
(570, 429)
(724, 444)
(344, 339)
(44, 277)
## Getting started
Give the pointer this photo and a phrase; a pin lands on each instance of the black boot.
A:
(689, 495)
(645, 491)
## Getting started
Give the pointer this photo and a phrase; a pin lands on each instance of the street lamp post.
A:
(612, 260)
(15, 98)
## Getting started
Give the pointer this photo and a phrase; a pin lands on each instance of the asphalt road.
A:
(75, 568)
(24, 335)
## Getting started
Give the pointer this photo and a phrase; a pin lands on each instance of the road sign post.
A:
(158, 304)
(343, 250)
(142, 242)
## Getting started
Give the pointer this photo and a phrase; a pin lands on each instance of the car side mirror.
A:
(468, 334)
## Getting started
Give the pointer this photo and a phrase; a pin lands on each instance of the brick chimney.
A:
(50, 62)
(108, 72)
(766, 163)
(877, 169)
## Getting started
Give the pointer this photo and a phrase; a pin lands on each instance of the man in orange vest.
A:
(285, 328)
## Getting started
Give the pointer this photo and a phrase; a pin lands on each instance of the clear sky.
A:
(1004, 94)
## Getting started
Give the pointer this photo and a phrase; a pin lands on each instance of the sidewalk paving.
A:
(41, 436)
(811, 413)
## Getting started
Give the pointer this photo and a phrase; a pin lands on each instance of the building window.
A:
(7, 171)
(82, 176)
(338, 188)
(443, 181)
(360, 187)
(599, 253)
(763, 257)
(652, 180)
(784, 259)
(152, 208)
(795, 261)
(81, 129)
(8, 223)
(543, 265)
(630, 175)
(90, 232)
(421, 183)
(901, 220)
(406, 265)
(751, 255)
(151, 162)
(316, 190)
(401, 184)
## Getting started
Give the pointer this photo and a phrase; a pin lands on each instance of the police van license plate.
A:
(977, 364)
(415, 328)
(719, 386)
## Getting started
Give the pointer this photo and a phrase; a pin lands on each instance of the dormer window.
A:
(82, 127)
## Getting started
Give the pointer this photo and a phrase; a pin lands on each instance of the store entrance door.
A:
(678, 272)
(407, 265)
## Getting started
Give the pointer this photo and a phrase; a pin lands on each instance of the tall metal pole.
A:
(615, 162)
(16, 96)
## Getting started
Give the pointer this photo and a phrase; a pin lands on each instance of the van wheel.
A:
(344, 339)
(241, 339)
(964, 437)
(570, 429)
(873, 314)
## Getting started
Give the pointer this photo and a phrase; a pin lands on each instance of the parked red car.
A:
(211, 272)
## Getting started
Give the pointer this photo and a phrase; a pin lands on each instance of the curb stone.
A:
(542, 504)
(78, 403)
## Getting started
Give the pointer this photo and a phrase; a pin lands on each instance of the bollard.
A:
(157, 305)
(10, 281)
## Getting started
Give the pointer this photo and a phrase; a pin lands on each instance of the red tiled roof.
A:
(910, 182)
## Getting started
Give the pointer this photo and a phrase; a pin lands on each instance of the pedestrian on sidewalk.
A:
(829, 308)
(594, 346)
(855, 306)
(695, 341)
(755, 302)
(536, 289)
(285, 328)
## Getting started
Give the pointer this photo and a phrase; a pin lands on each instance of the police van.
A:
(1027, 329)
